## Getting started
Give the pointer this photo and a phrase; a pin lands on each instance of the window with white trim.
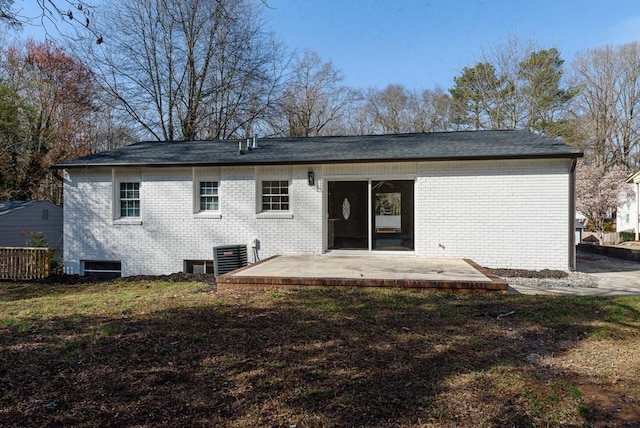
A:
(208, 194)
(275, 195)
(129, 199)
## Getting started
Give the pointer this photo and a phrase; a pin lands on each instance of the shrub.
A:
(36, 239)
(627, 236)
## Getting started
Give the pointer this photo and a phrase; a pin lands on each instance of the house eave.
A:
(75, 165)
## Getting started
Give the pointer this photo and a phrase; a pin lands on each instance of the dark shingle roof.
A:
(7, 207)
(354, 149)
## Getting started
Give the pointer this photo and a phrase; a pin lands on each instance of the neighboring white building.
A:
(504, 199)
(627, 218)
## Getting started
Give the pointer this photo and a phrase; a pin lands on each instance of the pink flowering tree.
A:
(599, 190)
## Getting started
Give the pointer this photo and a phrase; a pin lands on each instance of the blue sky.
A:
(421, 43)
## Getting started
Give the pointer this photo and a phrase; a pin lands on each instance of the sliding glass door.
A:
(370, 215)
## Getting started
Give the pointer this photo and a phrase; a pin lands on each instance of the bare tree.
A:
(108, 132)
(433, 111)
(8, 15)
(397, 109)
(356, 120)
(392, 109)
(76, 13)
(314, 99)
(609, 103)
(186, 69)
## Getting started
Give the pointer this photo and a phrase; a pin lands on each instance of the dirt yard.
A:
(175, 354)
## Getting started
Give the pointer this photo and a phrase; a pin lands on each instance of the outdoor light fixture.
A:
(311, 178)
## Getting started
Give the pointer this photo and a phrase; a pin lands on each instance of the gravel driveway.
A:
(595, 275)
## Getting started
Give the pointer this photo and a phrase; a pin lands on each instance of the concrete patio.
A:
(437, 274)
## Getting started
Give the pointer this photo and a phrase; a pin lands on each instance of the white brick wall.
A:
(498, 213)
(169, 232)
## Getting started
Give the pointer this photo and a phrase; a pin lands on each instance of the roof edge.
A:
(62, 165)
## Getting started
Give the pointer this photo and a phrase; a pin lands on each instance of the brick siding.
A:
(510, 214)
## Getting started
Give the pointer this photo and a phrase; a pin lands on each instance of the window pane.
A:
(208, 187)
(208, 203)
(129, 199)
(130, 208)
(130, 190)
(275, 195)
(209, 196)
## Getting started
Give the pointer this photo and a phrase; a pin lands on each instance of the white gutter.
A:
(572, 215)
(637, 225)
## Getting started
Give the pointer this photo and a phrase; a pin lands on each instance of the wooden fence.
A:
(24, 263)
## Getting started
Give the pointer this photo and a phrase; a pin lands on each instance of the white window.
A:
(275, 195)
(129, 199)
(207, 188)
(208, 193)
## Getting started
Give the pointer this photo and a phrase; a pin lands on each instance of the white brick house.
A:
(501, 198)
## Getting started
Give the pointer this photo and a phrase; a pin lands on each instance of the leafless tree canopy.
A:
(397, 109)
(77, 14)
(314, 100)
(186, 69)
(609, 102)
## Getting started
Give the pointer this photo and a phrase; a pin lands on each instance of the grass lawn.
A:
(180, 354)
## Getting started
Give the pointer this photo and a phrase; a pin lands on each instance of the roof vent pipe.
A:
(255, 141)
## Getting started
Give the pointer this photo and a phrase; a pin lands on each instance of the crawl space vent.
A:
(228, 257)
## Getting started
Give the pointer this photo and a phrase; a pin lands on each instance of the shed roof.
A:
(463, 145)
(634, 178)
(8, 207)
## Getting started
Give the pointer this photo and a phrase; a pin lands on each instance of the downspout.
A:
(572, 214)
(637, 225)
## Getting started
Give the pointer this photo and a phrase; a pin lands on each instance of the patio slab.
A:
(368, 271)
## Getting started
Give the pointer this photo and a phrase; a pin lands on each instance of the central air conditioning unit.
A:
(227, 258)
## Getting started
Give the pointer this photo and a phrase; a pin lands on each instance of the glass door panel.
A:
(392, 212)
(390, 205)
(348, 217)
